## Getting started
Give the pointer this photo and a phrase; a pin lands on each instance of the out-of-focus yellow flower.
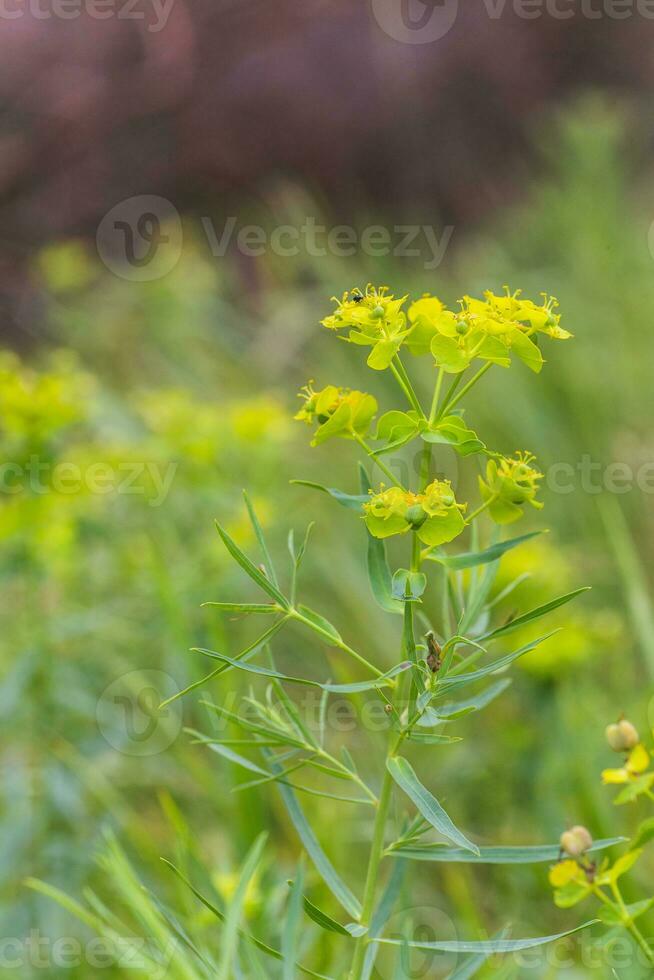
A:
(336, 412)
(509, 485)
(564, 872)
(226, 883)
(636, 765)
(434, 515)
(375, 319)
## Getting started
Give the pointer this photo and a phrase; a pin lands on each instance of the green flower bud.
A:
(461, 327)
(416, 515)
(377, 312)
(623, 736)
(576, 841)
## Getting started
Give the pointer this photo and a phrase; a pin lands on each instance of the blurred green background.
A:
(192, 378)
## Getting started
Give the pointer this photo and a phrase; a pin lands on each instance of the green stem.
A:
(404, 382)
(437, 396)
(448, 396)
(630, 925)
(295, 614)
(466, 388)
(382, 466)
(482, 508)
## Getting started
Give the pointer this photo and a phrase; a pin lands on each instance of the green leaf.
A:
(327, 923)
(472, 559)
(458, 680)
(452, 431)
(428, 805)
(644, 834)
(323, 625)
(408, 586)
(534, 614)
(258, 530)
(354, 687)
(612, 915)
(251, 649)
(351, 501)
(251, 569)
(262, 608)
(532, 854)
(323, 865)
(379, 574)
(429, 738)
(233, 918)
(290, 933)
(263, 947)
(456, 709)
(485, 945)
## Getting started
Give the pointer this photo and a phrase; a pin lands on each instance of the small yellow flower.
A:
(374, 319)
(434, 515)
(636, 765)
(565, 872)
(509, 485)
(336, 411)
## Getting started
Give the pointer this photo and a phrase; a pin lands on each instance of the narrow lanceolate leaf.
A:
(456, 709)
(532, 854)
(471, 559)
(250, 568)
(326, 922)
(263, 947)
(459, 680)
(323, 865)
(471, 965)
(233, 918)
(262, 608)
(379, 574)
(258, 530)
(349, 500)
(251, 649)
(354, 688)
(533, 614)
(291, 931)
(489, 946)
(428, 805)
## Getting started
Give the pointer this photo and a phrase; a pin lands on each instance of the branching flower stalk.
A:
(436, 660)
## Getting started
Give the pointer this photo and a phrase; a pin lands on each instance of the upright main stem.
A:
(394, 743)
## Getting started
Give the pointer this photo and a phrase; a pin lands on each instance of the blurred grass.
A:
(199, 370)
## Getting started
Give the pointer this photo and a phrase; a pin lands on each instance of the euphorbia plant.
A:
(440, 654)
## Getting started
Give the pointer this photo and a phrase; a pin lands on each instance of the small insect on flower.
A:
(434, 515)
(374, 319)
(336, 412)
(509, 485)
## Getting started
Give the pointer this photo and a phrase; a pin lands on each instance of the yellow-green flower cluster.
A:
(336, 412)
(434, 515)
(491, 329)
(509, 485)
(375, 319)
